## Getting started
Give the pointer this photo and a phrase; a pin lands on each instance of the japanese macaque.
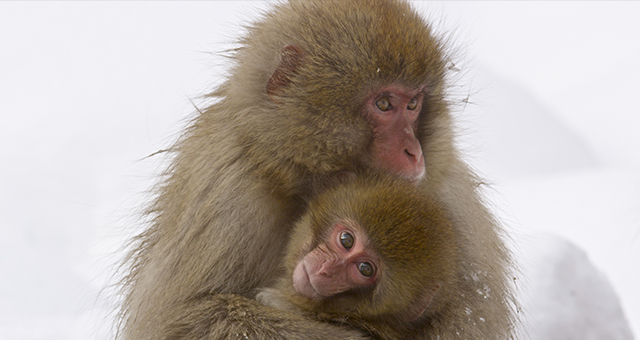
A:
(318, 92)
(380, 255)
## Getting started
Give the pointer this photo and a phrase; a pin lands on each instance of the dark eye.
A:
(383, 103)
(347, 240)
(413, 104)
(366, 269)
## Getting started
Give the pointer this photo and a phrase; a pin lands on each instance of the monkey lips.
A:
(301, 282)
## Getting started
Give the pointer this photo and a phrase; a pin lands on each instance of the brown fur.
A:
(416, 248)
(244, 169)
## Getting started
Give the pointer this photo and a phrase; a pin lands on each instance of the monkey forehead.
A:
(350, 43)
(401, 221)
(408, 235)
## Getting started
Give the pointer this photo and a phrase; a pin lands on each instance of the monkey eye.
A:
(347, 240)
(383, 103)
(366, 269)
(413, 104)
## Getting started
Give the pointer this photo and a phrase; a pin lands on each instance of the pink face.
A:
(393, 113)
(341, 263)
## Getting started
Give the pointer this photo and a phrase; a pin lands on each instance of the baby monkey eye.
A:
(366, 269)
(383, 103)
(413, 104)
(347, 240)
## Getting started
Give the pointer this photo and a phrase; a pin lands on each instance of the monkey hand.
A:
(226, 317)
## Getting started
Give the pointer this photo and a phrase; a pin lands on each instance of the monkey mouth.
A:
(302, 283)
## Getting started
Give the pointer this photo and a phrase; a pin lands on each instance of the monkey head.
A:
(371, 249)
(366, 96)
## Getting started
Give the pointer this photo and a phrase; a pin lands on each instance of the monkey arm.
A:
(229, 316)
(191, 265)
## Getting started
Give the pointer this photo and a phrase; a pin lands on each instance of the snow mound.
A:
(566, 297)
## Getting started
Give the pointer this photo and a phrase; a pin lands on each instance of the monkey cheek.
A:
(301, 282)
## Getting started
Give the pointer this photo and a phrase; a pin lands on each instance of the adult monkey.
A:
(318, 91)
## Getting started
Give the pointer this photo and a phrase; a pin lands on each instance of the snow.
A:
(569, 298)
(90, 89)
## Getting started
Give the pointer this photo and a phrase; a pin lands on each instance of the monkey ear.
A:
(417, 309)
(290, 60)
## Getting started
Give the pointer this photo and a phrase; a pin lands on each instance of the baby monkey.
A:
(375, 253)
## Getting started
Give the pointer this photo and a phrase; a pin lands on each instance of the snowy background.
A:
(88, 90)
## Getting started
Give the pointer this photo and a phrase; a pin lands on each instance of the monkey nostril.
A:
(325, 271)
(409, 154)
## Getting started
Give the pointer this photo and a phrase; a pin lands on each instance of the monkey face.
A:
(393, 112)
(342, 262)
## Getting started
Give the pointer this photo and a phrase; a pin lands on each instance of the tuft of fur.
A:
(243, 171)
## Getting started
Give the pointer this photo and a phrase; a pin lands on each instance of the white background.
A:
(88, 90)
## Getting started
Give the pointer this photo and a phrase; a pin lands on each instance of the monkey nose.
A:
(415, 162)
(326, 270)
(414, 155)
(332, 268)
